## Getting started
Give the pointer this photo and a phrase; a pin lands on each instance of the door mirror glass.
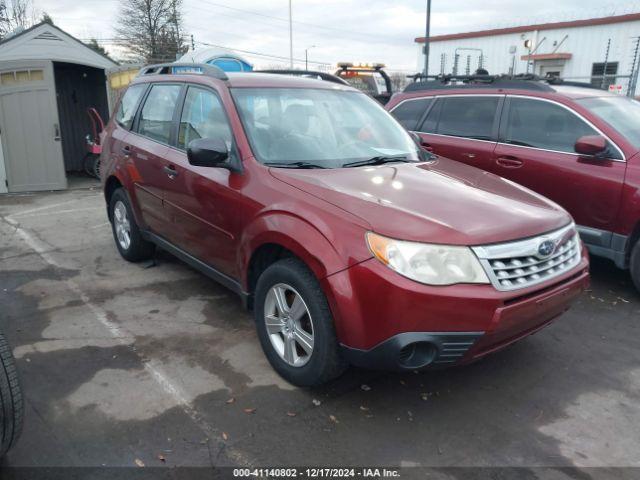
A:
(207, 152)
(591, 145)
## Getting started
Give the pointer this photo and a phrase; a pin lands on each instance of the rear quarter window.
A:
(409, 112)
(128, 105)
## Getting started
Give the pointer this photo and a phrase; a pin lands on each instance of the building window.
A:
(597, 71)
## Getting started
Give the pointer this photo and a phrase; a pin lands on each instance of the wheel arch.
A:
(280, 235)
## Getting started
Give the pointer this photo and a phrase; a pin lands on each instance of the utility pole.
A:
(290, 37)
(426, 39)
(193, 43)
(306, 56)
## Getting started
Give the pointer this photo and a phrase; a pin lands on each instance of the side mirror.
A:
(591, 145)
(207, 152)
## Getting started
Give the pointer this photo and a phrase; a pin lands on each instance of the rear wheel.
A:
(634, 267)
(11, 404)
(295, 325)
(92, 165)
(126, 232)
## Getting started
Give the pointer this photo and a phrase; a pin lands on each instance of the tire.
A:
(136, 248)
(11, 404)
(324, 363)
(91, 165)
(634, 266)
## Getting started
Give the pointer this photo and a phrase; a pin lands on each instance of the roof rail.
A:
(184, 69)
(307, 73)
(442, 82)
(570, 83)
(522, 81)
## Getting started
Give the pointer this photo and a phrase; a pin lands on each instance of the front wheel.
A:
(634, 267)
(295, 325)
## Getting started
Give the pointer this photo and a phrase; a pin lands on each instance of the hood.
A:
(438, 202)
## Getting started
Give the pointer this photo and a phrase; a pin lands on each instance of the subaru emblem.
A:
(546, 248)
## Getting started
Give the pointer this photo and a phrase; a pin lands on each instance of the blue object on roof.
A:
(231, 64)
(227, 60)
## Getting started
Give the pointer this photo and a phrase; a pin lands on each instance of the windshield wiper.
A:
(379, 160)
(294, 165)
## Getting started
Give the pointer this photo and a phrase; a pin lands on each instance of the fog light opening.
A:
(417, 355)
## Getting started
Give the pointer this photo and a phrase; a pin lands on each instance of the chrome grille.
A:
(523, 263)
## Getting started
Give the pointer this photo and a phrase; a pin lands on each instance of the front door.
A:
(201, 201)
(29, 127)
(536, 149)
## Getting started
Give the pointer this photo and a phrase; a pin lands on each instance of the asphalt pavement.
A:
(156, 365)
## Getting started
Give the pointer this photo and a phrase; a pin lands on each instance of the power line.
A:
(280, 19)
(259, 54)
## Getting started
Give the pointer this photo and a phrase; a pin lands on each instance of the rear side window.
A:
(127, 109)
(203, 116)
(470, 117)
(409, 112)
(539, 124)
(157, 113)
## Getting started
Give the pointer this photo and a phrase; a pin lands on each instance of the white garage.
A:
(48, 79)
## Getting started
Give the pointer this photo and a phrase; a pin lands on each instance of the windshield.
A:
(318, 127)
(622, 113)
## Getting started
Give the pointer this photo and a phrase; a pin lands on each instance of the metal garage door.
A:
(29, 127)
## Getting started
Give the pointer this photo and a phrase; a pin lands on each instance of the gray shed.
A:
(48, 79)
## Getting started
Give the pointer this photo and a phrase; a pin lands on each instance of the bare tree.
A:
(399, 80)
(16, 15)
(151, 30)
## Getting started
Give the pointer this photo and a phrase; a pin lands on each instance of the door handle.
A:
(126, 150)
(171, 171)
(56, 132)
(469, 155)
(509, 162)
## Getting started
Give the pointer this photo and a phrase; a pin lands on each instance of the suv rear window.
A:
(127, 109)
(157, 113)
(409, 112)
(470, 117)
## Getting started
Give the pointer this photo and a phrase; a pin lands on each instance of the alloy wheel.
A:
(289, 324)
(122, 225)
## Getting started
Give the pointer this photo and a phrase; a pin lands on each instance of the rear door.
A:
(536, 149)
(147, 147)
(463, 128)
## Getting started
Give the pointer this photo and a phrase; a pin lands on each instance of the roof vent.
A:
(48, 36)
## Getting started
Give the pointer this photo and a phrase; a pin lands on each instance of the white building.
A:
(575, 50)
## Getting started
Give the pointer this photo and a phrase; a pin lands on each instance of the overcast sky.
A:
(341, 30)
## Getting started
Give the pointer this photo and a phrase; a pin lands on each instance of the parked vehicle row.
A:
(576, 146)
(351, 244)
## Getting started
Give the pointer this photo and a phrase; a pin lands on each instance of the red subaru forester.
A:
(351, 244)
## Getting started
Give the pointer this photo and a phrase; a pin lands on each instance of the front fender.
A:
(300, 237)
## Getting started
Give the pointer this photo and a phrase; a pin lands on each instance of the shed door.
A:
(29, 127)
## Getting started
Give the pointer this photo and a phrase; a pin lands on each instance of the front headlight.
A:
(428, 263)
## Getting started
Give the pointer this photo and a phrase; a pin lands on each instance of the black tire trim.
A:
(634, 265)
(11, 400)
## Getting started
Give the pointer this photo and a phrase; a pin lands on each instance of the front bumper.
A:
(385, 321)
